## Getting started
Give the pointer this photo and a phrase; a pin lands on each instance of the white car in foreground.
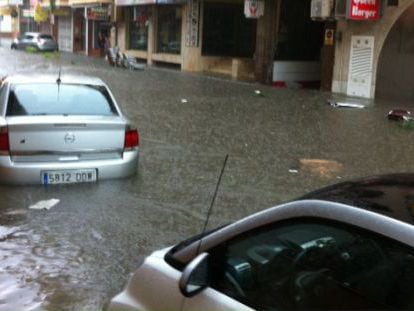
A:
(63, 129)
(313, 254)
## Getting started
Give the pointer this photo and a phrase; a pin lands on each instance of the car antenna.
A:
(58, 81)
(210, 208)
(212, 203)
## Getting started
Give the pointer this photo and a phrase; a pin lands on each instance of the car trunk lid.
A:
(65, 138)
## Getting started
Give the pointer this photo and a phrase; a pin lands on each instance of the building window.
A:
(138, 28)
(169, 29)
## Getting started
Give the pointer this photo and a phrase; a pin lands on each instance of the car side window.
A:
(314, 264)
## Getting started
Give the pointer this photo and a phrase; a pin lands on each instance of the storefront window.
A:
(102, 32)
(227, 32)
(169, 29)
(295, 25)
(138, 28)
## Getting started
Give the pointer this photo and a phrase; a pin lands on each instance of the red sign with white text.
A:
(364, 10)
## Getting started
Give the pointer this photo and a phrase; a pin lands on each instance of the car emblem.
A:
(69, 138)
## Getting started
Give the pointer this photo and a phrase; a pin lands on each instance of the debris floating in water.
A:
(345, 104)
(399, 115)
(45, 204)
(258, 92)
(321, 167)
(183, 101)
(293, 171)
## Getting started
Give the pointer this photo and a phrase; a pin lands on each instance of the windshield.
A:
(46, 37)
(54, 99)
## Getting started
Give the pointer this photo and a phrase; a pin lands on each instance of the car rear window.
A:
(47, 37)
(63, 99)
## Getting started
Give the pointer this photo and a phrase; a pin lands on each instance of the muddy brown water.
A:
(80, 253)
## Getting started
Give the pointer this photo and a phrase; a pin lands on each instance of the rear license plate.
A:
(68, 176)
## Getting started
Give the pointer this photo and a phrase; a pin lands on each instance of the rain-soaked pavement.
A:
(78, 254)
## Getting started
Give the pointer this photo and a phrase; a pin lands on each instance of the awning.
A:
(147, 2)
(171, 1)
(134, 2)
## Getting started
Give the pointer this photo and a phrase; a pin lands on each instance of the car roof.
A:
(51, 78)
(32, 33)
(391, 195)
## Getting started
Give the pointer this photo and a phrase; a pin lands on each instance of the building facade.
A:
(389, 42)
(219, 37)
(367, 54)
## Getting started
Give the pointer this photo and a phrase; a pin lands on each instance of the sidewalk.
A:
(5, 42)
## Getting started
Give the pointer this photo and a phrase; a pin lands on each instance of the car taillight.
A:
(131, 139)
(4, 140)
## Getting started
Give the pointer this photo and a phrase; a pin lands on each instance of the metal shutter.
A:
(65, 33)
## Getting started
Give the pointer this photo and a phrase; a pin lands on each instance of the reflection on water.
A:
(35, 270)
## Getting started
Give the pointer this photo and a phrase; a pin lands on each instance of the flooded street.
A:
(80, 253)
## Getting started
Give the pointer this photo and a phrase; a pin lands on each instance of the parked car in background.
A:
(346, 247)
(36, 40)
(63, 129)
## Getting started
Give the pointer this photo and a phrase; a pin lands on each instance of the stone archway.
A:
(394, 79)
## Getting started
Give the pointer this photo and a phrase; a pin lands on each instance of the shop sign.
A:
(15, 2)
(253, 8)
(193, 23)
(171, 1)
(364, 10)
(134, 2)
(329, 36)
(62, 12)
(5, 11)
(98, 13)
(10, 2)
(40, 14)
(28, 13)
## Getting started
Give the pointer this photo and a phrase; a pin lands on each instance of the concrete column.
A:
(192, 59)
(152, 34)
(266, 38)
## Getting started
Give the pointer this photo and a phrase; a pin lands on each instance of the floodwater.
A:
(78, 254)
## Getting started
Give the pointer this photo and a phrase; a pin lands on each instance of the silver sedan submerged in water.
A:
(63, 130)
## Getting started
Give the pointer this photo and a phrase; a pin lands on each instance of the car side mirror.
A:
(195, 276)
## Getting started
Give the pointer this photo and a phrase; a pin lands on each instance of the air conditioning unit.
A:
(321, 9)
(341, 8)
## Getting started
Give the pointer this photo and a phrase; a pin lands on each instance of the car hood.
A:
(391, 195)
